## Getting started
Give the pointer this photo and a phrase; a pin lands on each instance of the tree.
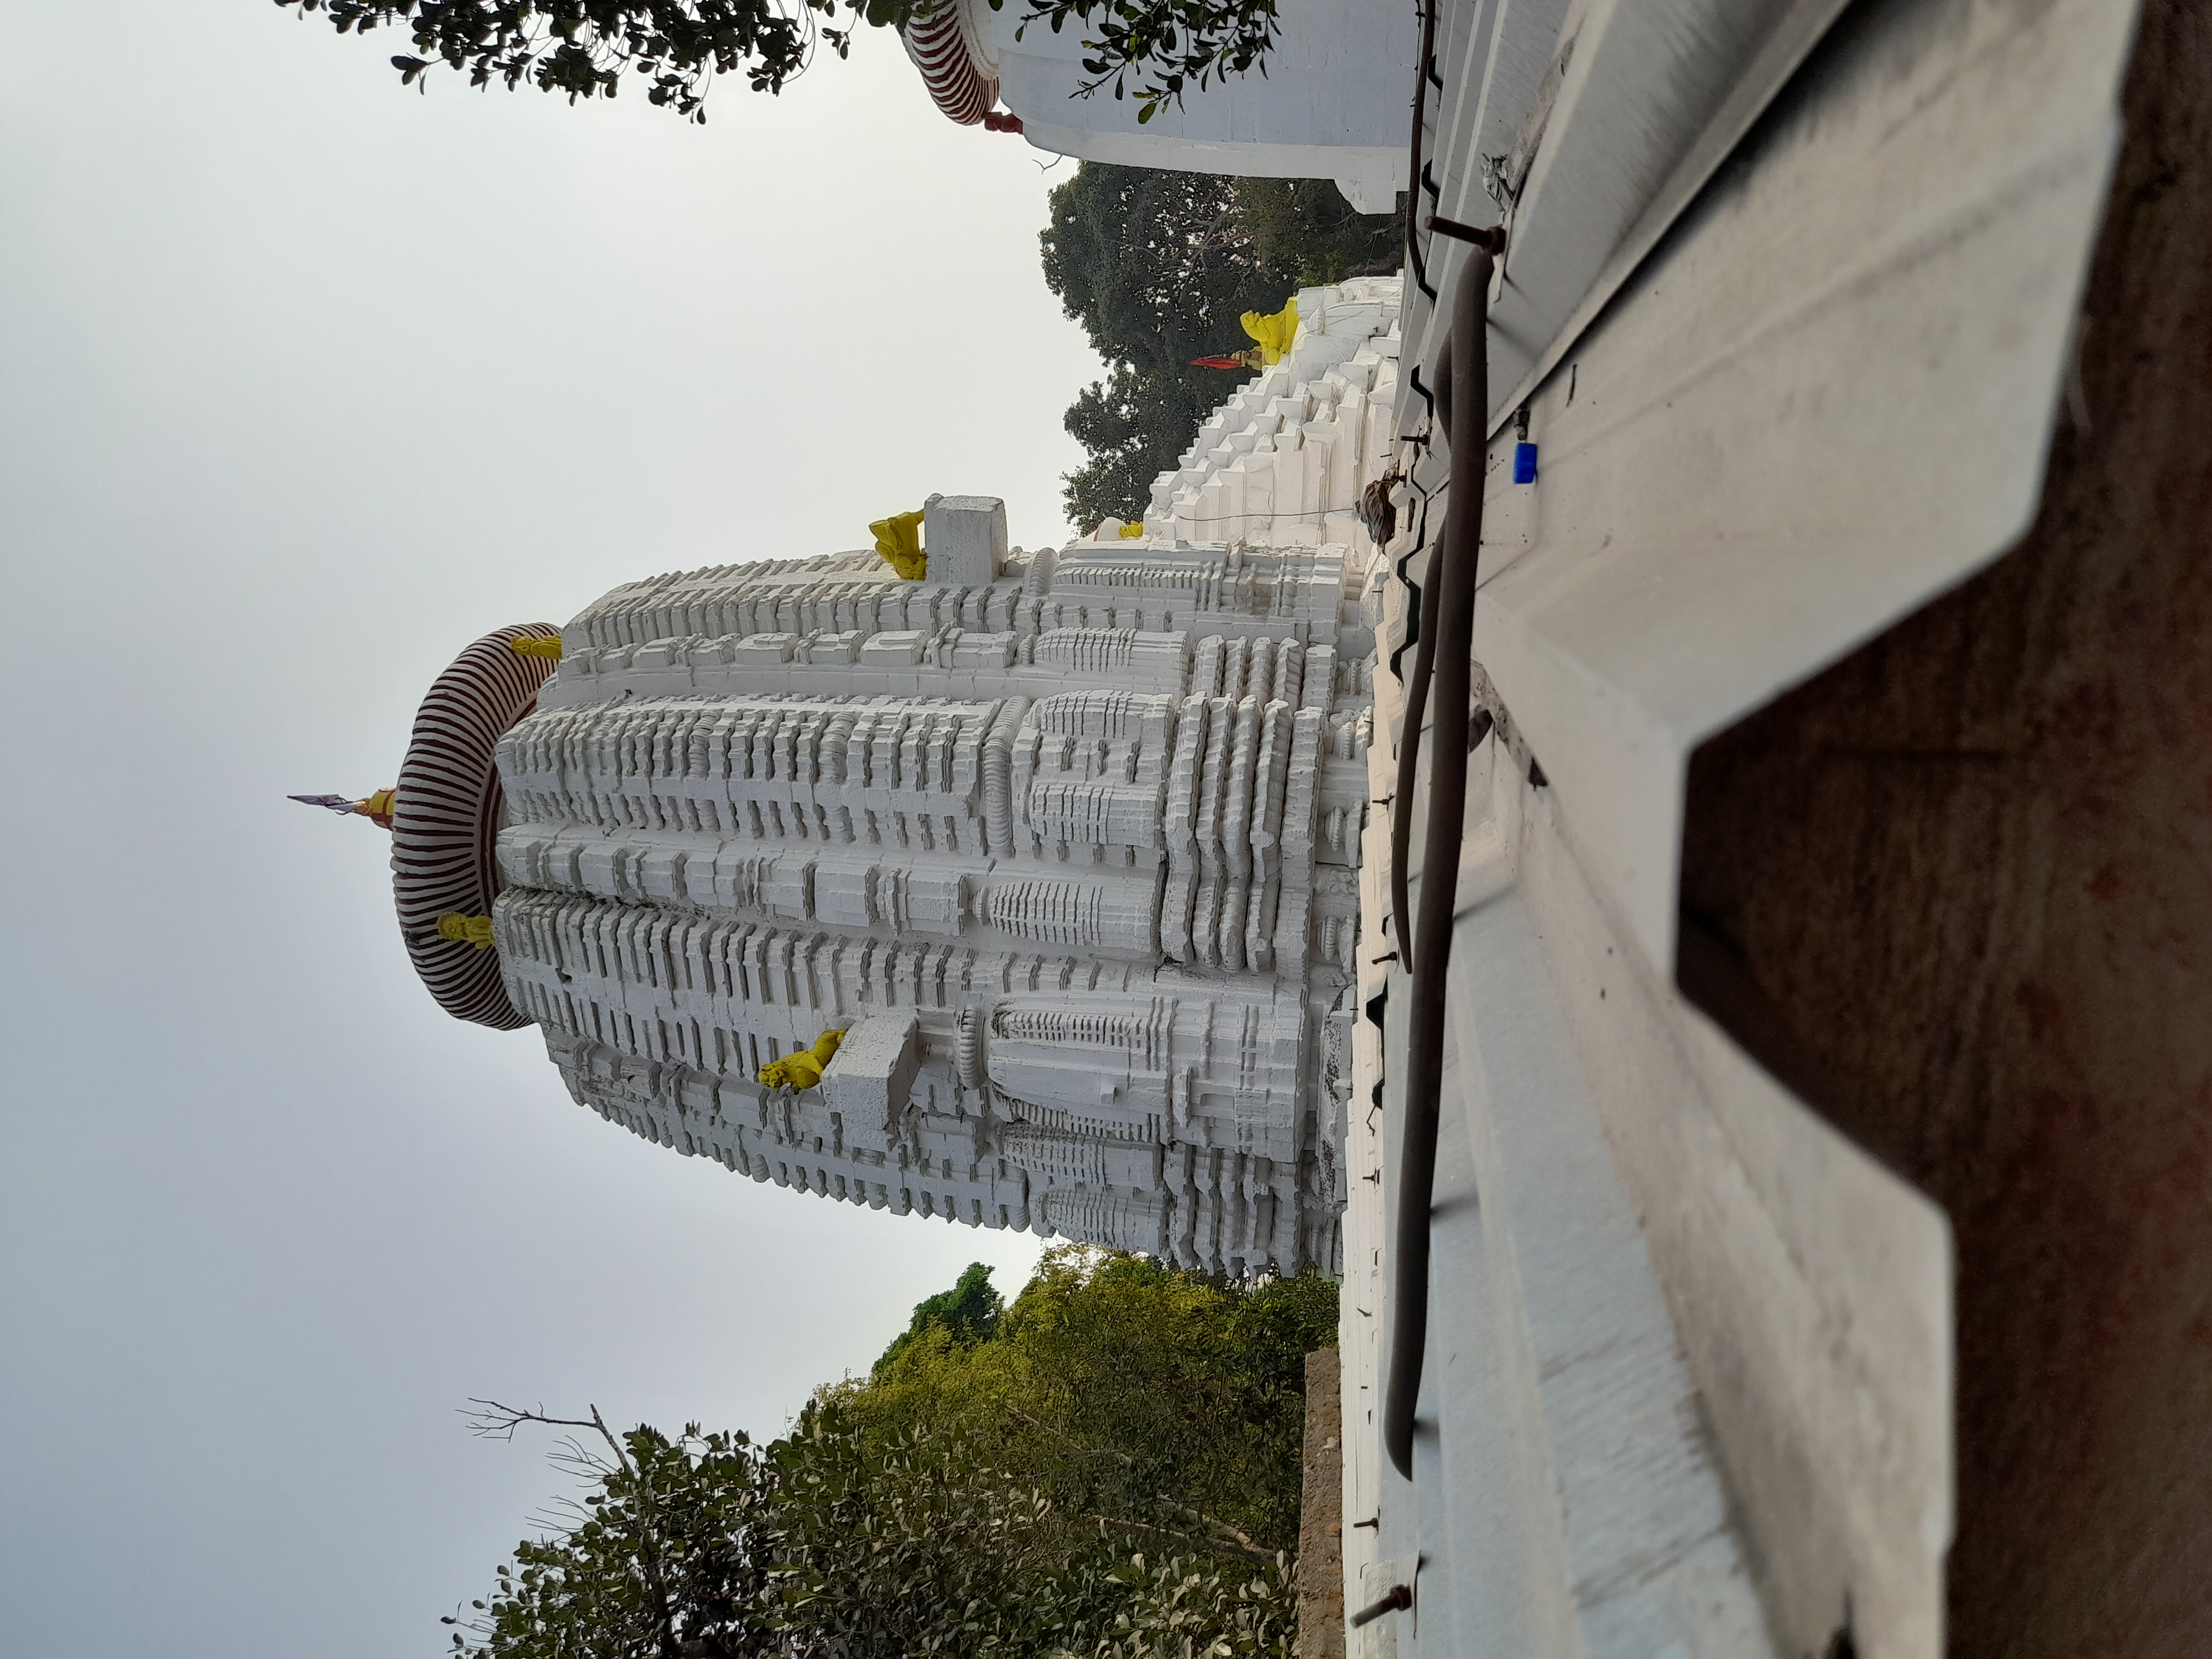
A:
(1168, 44)
(924, 1543)
(1184, 1607)
(1306, 225)
(968, 1312)
(1135, 425)
(1159, 268)
(1153, 49)
(1144, 1396)
(666, 1558)
(1154, 267)
(581, 47)
(1030, 1486)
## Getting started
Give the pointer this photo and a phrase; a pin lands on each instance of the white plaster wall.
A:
(1332, 104)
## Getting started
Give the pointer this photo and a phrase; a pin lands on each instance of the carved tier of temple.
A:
(1062, 843)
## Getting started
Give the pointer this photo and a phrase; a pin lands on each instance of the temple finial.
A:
(376, 808)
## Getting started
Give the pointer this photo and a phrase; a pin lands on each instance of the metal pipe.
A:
(1409, 738)
(1425, 626)
(1456, 567)
(1440, 226)
(1397, 1596)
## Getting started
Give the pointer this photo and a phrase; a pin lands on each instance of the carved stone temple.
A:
(1063, 842)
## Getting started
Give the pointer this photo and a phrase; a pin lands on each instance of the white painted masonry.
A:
(1689, 1384)
(1283, 461)
(1331, 105)
(1064, 842)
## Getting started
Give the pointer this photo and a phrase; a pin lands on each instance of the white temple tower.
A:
(1062, 843)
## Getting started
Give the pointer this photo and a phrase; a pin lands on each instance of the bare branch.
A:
(492, 1420)
(1221, 1528)
(1216, 1546)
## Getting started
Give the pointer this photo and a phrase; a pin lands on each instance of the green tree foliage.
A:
(1163, 45)
(968, 1312)
(1152, 263)
(924, 1542)
(1105, 1469)
(1135, 426)
(666, 1555)
(1159, 268)
(1130, 1391)
(1150, 49)
(1179, 1607)
(1306, 225)
(582, 48)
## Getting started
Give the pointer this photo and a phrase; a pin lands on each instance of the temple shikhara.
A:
(1015, 888)
(1019, 890)
(1060, 843)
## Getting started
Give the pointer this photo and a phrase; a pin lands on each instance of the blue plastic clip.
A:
(1524, 464)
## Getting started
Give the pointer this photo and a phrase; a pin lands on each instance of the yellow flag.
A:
(1273, 335)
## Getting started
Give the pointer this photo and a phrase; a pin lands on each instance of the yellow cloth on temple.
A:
(802, 1069)
(1273, 335)
(899, 540)
(466, 930)
(1131, 532)
(534, 647)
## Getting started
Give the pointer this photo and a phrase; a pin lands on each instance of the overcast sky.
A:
(305, 383)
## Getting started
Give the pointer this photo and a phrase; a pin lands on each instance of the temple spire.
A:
(376, 808)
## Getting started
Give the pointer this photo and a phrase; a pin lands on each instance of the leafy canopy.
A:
(1154, 48)
(968, 1312)
(670, 1553)
(1107, 1469)
(581, 47)
(1166, 45)
(1126, 1389)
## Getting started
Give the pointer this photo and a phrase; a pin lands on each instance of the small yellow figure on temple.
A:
(899, 540)
(803, 1068)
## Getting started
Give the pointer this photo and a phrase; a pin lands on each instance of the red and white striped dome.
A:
(945, 47)
(445, 823)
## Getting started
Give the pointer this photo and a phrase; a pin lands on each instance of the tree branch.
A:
(1217, 1545)
(493, 1421)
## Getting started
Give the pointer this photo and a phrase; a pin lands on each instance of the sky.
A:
(305, 383)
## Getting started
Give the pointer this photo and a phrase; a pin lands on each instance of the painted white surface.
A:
(1283, 460)
(1823, 398)
(967, 538)
(1068, 853)
(1334, 103)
